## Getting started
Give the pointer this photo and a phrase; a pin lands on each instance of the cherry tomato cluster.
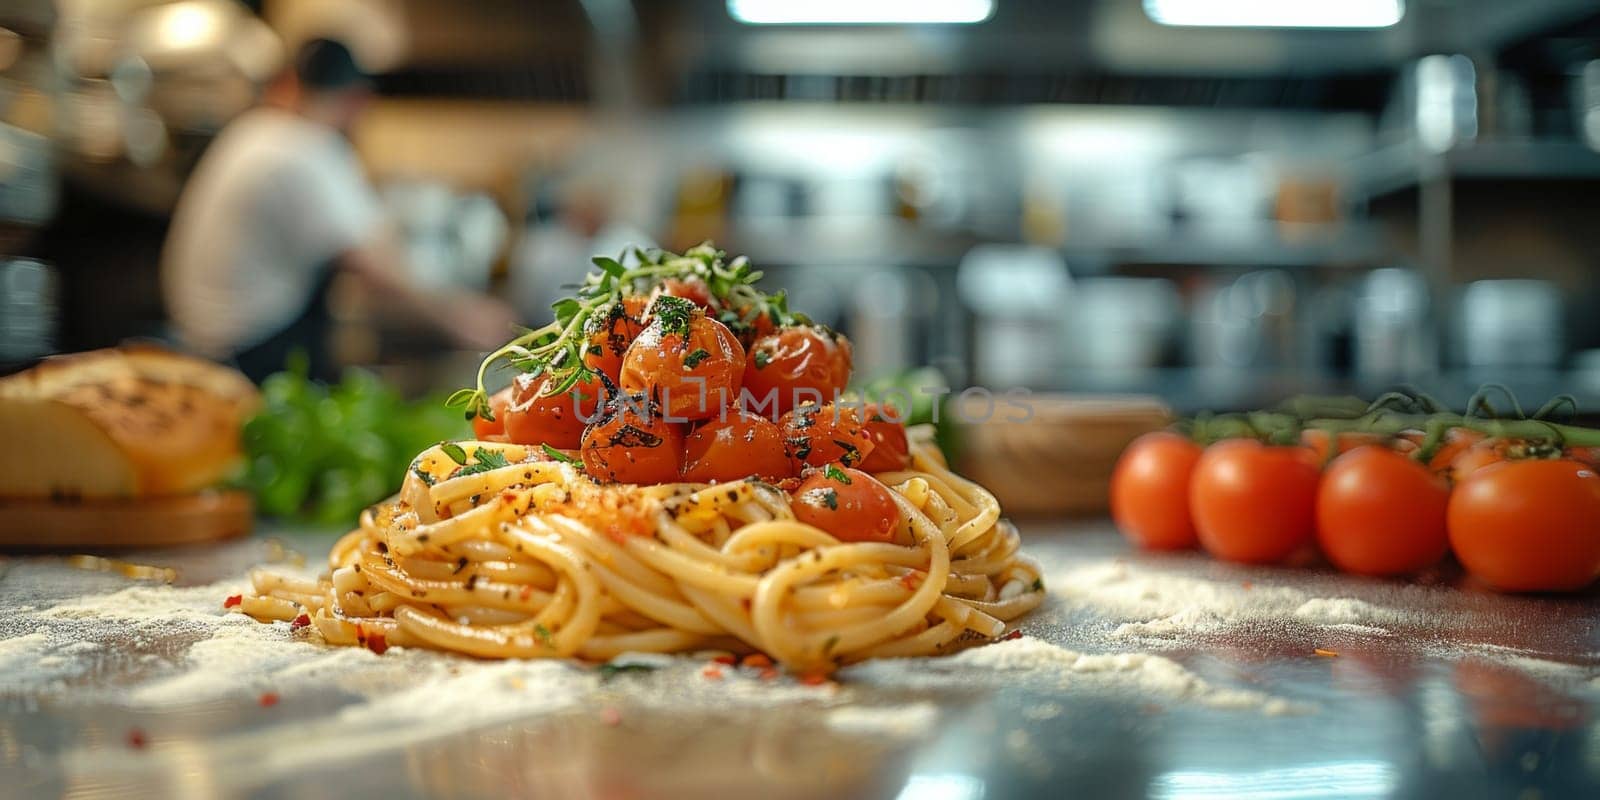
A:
(672, 392)
(1520, 513)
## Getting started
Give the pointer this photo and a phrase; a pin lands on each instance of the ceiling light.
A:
(860, 12)
(1277, 13)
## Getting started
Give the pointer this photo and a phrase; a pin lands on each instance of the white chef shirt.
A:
(273, 201)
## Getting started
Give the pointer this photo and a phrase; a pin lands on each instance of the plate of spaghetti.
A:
(676, 466)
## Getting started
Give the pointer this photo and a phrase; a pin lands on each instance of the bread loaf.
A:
(128, 423)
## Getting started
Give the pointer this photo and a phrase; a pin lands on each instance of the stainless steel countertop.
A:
(1415, 713)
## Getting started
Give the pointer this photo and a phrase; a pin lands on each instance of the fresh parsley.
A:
(833, 473)
(694, 358)
(487, 459)
(762, 359)
(425, 477)
(557, 454)
(455, 452)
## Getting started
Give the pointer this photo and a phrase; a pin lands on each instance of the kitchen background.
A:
(1221, 203)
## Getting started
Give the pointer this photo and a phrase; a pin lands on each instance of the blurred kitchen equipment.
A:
(1017, 295)
(882, 323)
(1120, 324)
(1059, 460)
(1511, 323)
(451, 239)
(1393, 336)
(1224, 196)
(28, 309)
(1446, 100)
(1248, 323)
(1586, 102)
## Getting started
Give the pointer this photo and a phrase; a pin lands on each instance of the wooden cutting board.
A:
(1060, 460)
(124, 525)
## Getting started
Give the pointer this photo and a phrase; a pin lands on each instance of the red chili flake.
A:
(726, 658)
(610, 716)
(267, 699)
(300, 622)
(757, 660)
(813, 679)
(769, 673)
(744, 602)
(711, 672)
(377, 643)
(1247, 584)
(136, 739)
(233, 600)
(527, 591)
(912, 580)
(1016, 634)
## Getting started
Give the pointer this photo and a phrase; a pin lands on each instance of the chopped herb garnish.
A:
(833, 641)
(543, 635)
(833, 473)
(762, 359)
(1038, 584)
(455, 452)
(694, 358)
(672, 314)
(423, 476)
(609, 670)
(557, 454)
(487, 460)
(830, 498)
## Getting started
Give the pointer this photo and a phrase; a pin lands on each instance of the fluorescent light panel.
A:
(1277, 13)
(860, 12)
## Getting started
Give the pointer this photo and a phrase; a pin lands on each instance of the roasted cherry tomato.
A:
(847, 503)
(1254, 503)
(890, 450)
(736, 445)
(796, 365)
(748, 323)
(632, 442)
(1381, 513)
(819, 435)
(1528, 526)
(556, 420)
(686, 361)
(498, 403)
(610, 331)
(692, 289)
(1150, 491)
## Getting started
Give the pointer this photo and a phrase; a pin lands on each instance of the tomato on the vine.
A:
(847, 503)
(1150, 491)
(1529, 525)
(1254, 503)
(1381, 513)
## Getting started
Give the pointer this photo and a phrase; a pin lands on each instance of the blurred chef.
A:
(279, 205)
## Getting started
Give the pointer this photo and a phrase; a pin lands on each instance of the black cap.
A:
(327, 65)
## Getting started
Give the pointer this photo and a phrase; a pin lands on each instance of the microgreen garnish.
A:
(556, 350)
(833, 473)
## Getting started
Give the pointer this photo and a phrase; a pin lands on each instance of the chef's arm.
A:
(469, 318)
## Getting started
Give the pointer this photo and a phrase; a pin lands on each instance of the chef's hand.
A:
(479, 322)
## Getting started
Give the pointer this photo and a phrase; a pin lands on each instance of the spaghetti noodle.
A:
(534, 559)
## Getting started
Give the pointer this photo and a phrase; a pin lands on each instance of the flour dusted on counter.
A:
(1027, 658)
(1155, 604)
